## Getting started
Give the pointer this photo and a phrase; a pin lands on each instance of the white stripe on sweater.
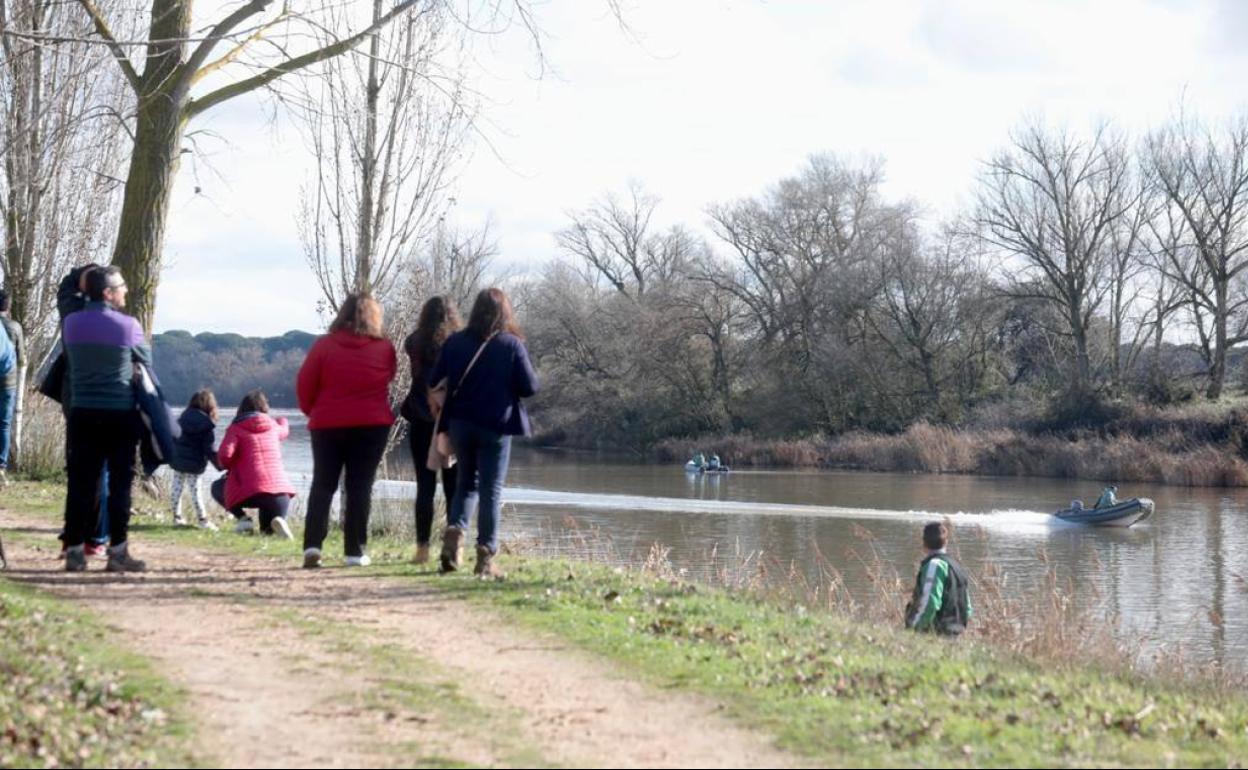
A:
(926, 596)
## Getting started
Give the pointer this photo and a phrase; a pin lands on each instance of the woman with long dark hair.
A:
(488, 372)
(438, 321)
(344, 389)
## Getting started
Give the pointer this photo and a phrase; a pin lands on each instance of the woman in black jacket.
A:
(438, 320)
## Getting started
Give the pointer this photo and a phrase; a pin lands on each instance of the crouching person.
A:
(942, 599)
(251, 454)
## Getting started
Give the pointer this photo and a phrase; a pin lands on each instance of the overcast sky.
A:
(708, 101)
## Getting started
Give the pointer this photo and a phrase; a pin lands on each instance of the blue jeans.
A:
(483, 456)
(8, 402)
(101, 530)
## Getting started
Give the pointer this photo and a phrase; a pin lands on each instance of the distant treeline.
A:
(230, 364)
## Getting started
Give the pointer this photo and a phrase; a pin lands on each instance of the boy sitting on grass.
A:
(942, 601)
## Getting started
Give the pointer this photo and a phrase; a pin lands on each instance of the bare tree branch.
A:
(101, 27)
(225, 93)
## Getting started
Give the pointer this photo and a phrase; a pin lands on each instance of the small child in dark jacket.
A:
(192, 452)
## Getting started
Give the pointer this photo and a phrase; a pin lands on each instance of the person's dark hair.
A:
(255, 401)
(935, 535)
(492, 314)
(79, 275)
(102, 278)
(439, 319)
(205, 401)
(6, 302)
(359, 314)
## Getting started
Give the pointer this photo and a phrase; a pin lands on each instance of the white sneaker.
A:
(179, 520)
(282, 529)
(311, 558)
(208, 525)
(245, 526)
(359, 561)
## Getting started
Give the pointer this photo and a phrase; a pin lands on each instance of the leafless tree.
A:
(186, 73)
(61, 144)
(616, 242)
(460, 262)
(386, 127)
(1128, 273)
(1051, 203)
(718, 316)
(804, 269)
(1203, 176)
(929, 316)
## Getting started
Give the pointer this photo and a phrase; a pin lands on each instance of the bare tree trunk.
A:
(1056, 201)
(165, 106)
(19, 404)
(1217, 372)
(145, 210)
(368, 171)
(1204, 178)
(1083, 361)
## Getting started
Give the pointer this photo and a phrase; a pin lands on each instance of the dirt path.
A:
(271, 692)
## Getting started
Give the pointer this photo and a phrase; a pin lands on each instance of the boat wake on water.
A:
(1018, 520)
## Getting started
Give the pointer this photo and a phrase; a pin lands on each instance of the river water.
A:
(1177, 580)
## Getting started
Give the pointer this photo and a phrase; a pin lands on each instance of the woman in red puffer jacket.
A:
(344, 389)
(252, 454)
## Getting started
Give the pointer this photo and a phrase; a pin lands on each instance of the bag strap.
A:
(473, 363)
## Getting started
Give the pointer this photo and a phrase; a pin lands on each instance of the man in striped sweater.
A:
(103, 345)
(942, 601)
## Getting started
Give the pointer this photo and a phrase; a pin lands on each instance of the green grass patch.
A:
(837, 691)
(73, 697)
(843, 692)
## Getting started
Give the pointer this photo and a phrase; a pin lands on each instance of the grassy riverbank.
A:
(826, 686)
(1200, 445)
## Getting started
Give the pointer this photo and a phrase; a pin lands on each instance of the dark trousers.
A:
(100, 438)
(419, 435)
(100, 536)
(358, 451)
(269, 505)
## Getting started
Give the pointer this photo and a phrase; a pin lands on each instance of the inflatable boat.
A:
(1122, 514)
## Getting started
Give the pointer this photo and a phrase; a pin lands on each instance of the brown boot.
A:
(450, 549)
(485, 565)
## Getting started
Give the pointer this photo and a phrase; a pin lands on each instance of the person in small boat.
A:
(699, 460)
(941, 602)
(713, 463)
(1108, 497)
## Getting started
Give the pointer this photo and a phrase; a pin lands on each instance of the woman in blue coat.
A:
(487, 371)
